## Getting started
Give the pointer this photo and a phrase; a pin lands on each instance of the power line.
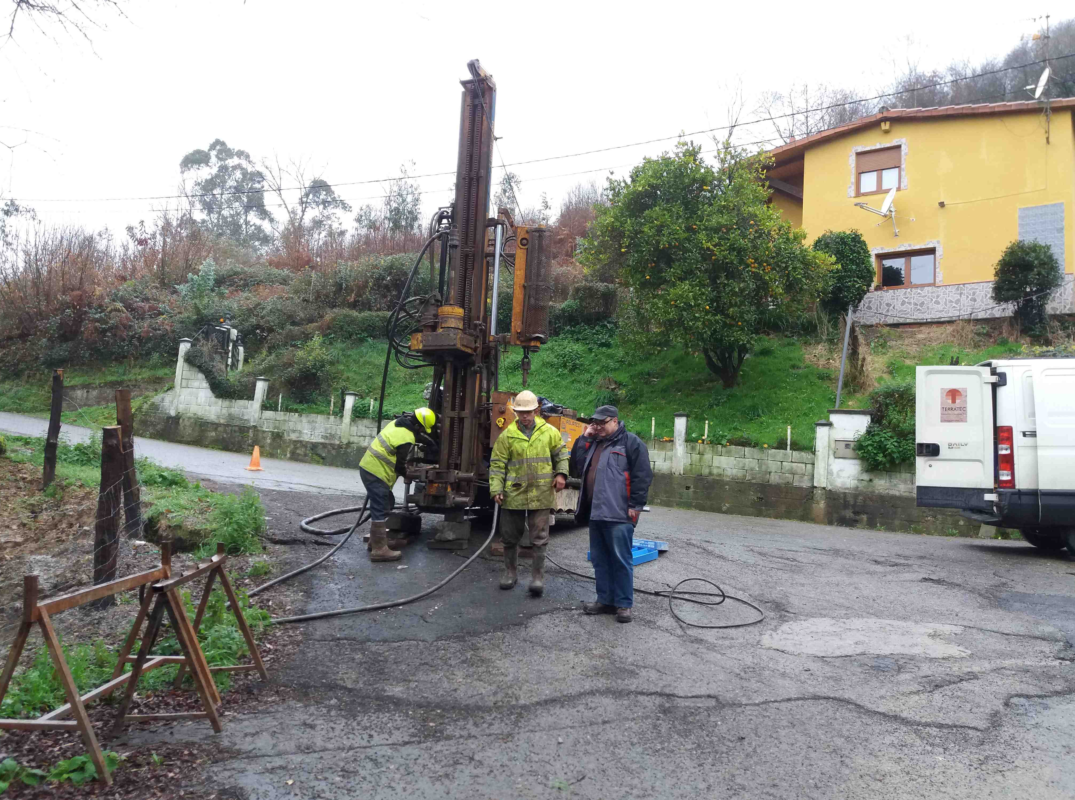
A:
(610, 148)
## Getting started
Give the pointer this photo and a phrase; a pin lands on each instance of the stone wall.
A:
(949, 303)
(754, 464)
(855, 509)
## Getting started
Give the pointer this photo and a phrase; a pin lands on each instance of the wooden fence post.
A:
(132, 493)
(106, 530)
(53, 439)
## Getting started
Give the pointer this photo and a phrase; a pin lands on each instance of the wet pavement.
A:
(889, 666)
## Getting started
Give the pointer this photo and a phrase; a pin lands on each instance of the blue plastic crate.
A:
(640, 554)
(653, 544)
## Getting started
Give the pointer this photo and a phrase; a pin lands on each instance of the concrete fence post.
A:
(180, 364)
(348, 409)
(242, 354)
(261, 388)
(184, 346)
(822, 453)
(679, 444)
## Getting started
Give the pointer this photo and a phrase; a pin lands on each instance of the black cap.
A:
(605, 412)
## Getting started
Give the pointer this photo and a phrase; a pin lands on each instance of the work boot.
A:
(398, 543)
(623, 615)
(537, 572)
(379, 550)
(598, 608)
(511, 567)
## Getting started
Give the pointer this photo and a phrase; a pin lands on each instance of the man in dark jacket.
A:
(614, 467)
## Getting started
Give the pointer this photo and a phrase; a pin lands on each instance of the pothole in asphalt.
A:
(854, 637)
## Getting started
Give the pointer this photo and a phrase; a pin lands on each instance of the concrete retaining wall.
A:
(753, 464)
(854, 509)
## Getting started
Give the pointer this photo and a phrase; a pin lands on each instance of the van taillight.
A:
(1005, 458)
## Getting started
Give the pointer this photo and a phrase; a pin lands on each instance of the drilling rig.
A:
(453, 330)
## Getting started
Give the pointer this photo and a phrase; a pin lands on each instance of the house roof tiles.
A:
(794, 150)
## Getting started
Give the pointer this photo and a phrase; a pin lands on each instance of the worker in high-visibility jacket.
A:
(528, 466)
(384, 461)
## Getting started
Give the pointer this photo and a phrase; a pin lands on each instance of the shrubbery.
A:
(1026, 274)
(854, 273)
(209, 360)
(304, 372)
(589, 304)
(890, 438)
(354, 325)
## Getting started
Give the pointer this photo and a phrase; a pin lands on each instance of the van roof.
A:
(1001, 362)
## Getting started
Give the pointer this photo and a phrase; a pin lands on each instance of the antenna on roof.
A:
(887, 209)
(1037, 89)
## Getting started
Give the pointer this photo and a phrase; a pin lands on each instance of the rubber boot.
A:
(379, 550)
(397, 540)
(511, 567)
(537, 572)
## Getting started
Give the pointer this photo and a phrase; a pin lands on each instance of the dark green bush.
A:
(246, 278)
(566, 357)
(209, 360)
(357, 325)
(854, 274)
(589, 304)
(304, 372)
(1026, 274)
(880, 449)
(889, 440)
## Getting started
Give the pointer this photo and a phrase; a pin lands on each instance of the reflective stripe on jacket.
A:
(523, 468)
(380, 457)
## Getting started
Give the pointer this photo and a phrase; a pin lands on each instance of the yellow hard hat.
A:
(426, 417)
(525, 401)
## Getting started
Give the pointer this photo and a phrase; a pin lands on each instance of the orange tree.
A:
(709, 264)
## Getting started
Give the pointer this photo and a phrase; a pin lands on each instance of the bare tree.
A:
(805, 110)
(71, 16)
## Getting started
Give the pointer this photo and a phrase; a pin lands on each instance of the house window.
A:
(878, 170)
(901, 270)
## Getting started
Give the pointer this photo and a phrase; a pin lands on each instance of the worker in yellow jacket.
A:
(528, 466)
(385, 460)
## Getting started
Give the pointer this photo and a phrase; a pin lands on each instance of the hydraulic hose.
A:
(404, 601)
(349, 531)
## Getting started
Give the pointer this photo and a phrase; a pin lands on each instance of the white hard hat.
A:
(525, 401)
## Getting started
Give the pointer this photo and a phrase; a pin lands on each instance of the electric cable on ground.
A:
(686, 597)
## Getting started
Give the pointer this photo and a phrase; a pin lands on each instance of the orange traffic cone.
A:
(255, 460)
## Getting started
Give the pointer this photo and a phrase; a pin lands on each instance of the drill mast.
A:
(457, 327)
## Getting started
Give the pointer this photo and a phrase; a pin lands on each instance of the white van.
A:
(997, 441)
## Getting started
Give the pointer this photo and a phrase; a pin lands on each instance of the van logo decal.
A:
(954, 405)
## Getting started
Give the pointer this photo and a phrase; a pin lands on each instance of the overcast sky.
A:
(356, 89)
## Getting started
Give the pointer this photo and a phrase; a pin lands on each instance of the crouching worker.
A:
(384, 461)
(528, 466)
(615, 471)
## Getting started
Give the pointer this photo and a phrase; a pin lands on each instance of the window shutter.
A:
(877, 159)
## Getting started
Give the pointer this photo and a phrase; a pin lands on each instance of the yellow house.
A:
(968, 180)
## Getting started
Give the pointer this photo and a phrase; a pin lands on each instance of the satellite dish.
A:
(885, 206)
(1044, 79)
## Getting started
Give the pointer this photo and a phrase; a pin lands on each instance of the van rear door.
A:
(954, 445)
(1054, 401)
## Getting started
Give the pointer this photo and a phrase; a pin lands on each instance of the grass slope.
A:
(780, 384)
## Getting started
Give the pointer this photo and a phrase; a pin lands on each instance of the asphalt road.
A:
(219, 465)
(889, 666)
